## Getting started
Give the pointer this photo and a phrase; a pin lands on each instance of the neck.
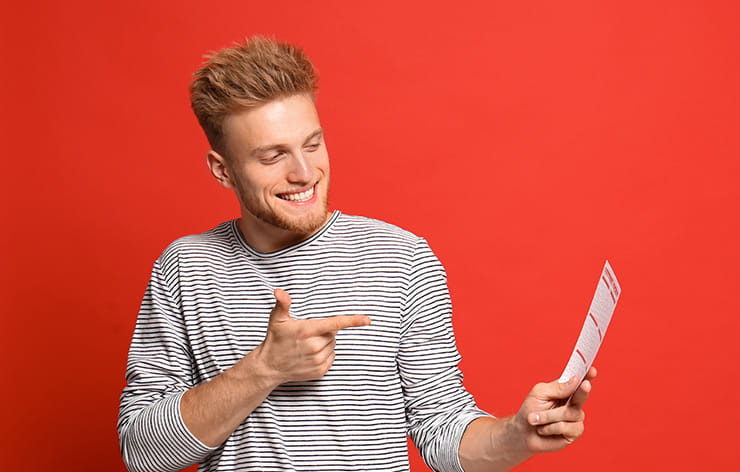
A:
(265, 237)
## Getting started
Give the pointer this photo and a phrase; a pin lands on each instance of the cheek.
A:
(259, 180)
(324, 164)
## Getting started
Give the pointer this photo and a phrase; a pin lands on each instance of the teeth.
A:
(298, 197)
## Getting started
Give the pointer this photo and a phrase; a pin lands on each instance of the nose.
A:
(300, 170)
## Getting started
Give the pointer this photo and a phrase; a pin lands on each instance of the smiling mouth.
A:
(304, 196)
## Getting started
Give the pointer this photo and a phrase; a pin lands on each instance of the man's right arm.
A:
(160, 370)
(293, 350)
(166, 422)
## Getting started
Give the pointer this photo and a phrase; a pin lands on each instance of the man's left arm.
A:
(438, 408)
(541, 425)
(452, 434)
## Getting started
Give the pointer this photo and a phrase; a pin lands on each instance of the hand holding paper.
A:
(553, 412)
(551, 416)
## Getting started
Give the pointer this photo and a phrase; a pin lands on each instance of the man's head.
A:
(245, 76)
(255, 102)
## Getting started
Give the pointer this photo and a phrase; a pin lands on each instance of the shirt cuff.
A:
(161, 441)
(449, 459)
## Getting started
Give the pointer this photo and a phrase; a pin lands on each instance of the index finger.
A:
(581, 395)
(333, 324)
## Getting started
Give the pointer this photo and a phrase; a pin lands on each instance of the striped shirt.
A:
(207, 305)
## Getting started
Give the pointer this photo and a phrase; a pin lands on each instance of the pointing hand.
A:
(299, 350)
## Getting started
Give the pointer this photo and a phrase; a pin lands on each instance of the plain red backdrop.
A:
(528, 141)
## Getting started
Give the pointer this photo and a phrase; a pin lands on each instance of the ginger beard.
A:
(305, 219)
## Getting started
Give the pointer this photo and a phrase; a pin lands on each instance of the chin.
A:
(305, 225)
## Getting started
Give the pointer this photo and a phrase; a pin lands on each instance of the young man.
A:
(299, 339)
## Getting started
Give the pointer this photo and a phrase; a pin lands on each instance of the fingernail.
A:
(534, 418)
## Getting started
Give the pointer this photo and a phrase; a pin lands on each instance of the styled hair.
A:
(247, 75)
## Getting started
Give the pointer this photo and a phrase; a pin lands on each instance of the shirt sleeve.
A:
(438, 408)
(152, 433)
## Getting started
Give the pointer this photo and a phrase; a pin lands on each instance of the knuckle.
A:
(573, 432)
(326, 364)
(575, 414)
(544, 391)
(313, 347)
(318, 359)
(577, 431)
(539, 388)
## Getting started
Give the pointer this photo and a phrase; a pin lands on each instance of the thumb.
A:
(281, 311)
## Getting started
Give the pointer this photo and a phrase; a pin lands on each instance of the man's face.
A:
(278, 165)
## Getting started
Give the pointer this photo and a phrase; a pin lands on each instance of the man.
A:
(299, 339)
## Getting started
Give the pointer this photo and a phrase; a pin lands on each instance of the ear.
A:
(219, 169)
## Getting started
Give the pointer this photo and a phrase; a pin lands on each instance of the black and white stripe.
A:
(207, 305)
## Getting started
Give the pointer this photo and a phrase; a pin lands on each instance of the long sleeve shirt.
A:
(207, 305)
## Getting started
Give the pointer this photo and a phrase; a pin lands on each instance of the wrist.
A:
(252, 370)
(493, 444)
(513, 439)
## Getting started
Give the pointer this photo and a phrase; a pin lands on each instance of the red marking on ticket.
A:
(611, 294)
(598, 330)
(581, 354)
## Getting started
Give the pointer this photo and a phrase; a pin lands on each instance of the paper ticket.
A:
(594, 328)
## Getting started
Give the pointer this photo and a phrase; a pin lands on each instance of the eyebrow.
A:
(316, 134)
(273, 147)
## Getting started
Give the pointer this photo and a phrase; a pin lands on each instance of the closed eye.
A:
(272, 158)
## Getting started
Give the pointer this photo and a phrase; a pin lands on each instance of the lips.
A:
(303, 196)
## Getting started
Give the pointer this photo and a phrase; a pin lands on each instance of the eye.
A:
(272, 158)
(312, 147)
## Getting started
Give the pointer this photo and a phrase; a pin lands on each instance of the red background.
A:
(528, 141)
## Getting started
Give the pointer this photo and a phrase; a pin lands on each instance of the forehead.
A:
(287, 121)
